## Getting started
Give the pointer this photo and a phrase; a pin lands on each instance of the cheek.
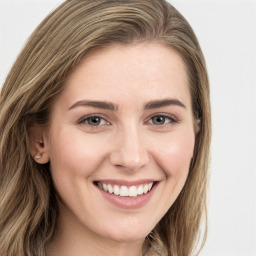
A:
(176, 153)
(76, 154)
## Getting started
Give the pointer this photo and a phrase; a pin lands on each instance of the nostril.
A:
(128, 162)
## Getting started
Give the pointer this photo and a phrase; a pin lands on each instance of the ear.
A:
(38, 145)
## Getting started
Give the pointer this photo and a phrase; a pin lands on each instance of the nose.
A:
(130, 152)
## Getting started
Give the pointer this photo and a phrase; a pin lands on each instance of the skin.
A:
(127, 144)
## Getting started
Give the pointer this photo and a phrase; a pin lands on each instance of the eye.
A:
(160, 120)
(93, 121)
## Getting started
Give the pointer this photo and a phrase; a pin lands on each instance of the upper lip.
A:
(126, 182)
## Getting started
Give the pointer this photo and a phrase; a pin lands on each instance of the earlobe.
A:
(37, 144)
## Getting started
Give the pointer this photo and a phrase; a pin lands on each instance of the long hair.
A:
(28, 206)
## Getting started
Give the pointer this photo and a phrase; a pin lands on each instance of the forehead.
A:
(122, 72)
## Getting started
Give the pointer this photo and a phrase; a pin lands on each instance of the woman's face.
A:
(120, 140)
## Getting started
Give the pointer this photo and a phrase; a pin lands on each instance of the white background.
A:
(227, 33)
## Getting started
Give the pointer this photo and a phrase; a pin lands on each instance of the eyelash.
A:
(85, 119)
(171, 118)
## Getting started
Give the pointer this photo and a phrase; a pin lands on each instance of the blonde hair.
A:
(28, 205)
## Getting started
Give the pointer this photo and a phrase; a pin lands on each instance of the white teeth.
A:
(110, 189)
(133, 191)
(125, 191)
(116, 190)
(145, 189)
(140, 190)
(105, 187)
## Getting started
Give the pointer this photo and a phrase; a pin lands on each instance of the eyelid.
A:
(83, 120)
(173, 118)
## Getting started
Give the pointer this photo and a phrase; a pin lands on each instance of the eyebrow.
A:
(95, 104)
(164, 103)
(110, 106)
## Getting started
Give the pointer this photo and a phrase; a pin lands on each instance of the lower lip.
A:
(128, 202)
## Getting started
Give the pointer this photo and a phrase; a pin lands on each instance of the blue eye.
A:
(161, 120)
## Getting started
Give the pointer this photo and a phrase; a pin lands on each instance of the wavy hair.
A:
(28, 205)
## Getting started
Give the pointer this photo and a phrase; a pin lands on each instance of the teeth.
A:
(145, 189)
(133, 191)
(105, 187)
(100, 186)
(116, 190)
(125, 191)
(110, 189)
(140, 190)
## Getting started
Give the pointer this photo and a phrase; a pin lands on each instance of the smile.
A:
(125, 191)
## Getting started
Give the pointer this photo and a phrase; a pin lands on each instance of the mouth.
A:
(122, 190)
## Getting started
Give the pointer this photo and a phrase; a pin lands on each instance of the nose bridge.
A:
(130, 151)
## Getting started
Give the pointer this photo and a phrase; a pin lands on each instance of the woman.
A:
(105, 132)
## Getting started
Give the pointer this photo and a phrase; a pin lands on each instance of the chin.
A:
(127, 235)
(124, 238)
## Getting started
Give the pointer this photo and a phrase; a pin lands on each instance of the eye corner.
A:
(93, 122)
(165, 122)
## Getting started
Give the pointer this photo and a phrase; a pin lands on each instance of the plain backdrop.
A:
(227, 33)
